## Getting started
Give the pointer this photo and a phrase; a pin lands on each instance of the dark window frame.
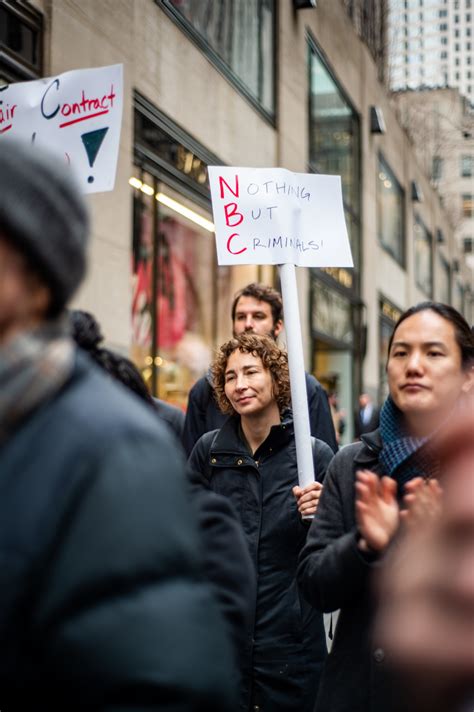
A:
(418, 220)
(13, 66)
(222, 66)
(356, 216)
(402, 261)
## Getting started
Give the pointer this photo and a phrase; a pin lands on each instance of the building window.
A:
(21, 42)
(390, 202)
(458, 297)
(239, 38)
(437, 169)
(467, 166)
(444, 282)
(180, 300)
(423, 257)
(334, 140)
(467, 201)
(389, 314)
(468, 244)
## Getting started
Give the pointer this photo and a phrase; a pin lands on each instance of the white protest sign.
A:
(77, 114)
(274, 216)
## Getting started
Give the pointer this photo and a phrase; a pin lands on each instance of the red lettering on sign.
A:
(234, 252)
(231, 211)
(223, 183)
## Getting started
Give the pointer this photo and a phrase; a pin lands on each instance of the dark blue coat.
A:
(102, 601)
(285, 641)
(203, 414)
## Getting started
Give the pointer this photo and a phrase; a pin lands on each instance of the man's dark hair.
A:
(261, 293)
(463, 332)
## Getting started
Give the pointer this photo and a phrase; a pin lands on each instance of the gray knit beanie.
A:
(44, 216)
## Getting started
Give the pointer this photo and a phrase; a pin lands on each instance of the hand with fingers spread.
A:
(422, 500)
(307, 498)
(377, 511)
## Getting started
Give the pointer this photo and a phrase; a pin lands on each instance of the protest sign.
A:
(274, 216)
(77, 114)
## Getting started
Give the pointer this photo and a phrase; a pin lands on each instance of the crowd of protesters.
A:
(132, 579)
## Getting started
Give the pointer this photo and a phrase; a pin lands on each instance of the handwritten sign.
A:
(274, 216)
(77, 114)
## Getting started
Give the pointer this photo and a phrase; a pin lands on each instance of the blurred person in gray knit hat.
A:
(102, 602)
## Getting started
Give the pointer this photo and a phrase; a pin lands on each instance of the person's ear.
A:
(469, 382)
(40, 298)
(278, 327)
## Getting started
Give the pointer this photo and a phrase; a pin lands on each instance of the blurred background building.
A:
(257, 83)
(430, 44)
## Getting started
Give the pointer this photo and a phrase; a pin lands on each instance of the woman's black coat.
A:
(334, 574)
(285, 642)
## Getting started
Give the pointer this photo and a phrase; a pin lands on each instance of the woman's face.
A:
(425, 375)
(248, 384)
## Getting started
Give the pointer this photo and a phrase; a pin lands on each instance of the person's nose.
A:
(415, 362)
(241, 382)
(249, 323)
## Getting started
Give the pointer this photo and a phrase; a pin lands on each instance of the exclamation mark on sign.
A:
(92, 142)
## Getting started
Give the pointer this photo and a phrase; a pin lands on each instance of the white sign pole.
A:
(299, 397)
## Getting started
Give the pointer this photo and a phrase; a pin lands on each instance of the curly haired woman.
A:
(252, 461)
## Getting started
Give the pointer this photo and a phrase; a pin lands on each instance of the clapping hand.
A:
(377, 511)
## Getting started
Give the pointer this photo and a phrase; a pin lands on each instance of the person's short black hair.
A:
(463, 332)
(261, 293)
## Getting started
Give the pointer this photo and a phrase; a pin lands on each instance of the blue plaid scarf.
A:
(403, 457)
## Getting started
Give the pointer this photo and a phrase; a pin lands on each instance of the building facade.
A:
(441, 125)
(253, 83)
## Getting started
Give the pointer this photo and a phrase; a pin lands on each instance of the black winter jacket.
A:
(102, 601)
(285, 642)
(334, 574)
(203, 414)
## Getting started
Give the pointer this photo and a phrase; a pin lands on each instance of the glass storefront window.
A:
(390, 199)
(423, 258)
(239, 34)
(176, 286)
(331, 313)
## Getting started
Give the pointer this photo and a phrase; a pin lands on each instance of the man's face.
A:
(254, 316)
(23, 299)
